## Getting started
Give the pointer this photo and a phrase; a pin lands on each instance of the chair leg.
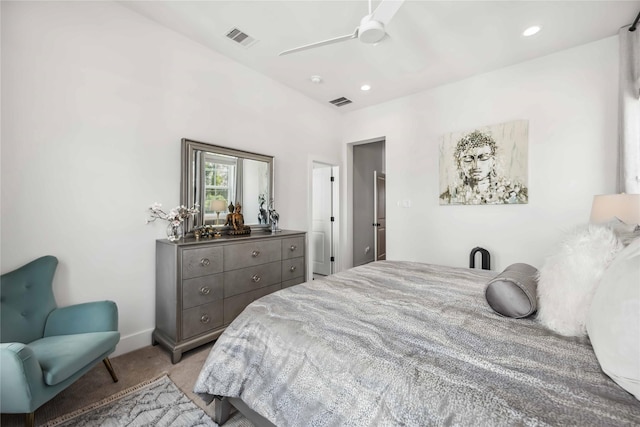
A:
(107, 363)
(30, 419)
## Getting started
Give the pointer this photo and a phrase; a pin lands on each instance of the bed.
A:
(404, 343)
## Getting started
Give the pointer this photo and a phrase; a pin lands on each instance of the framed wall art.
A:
(485, 166)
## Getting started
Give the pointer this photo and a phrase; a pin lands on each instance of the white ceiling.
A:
(431, 42)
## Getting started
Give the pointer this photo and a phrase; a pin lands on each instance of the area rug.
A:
(158, 402)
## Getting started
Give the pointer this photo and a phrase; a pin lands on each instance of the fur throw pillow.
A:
(569, 277)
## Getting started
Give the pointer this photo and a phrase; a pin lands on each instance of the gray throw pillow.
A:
(512, 293)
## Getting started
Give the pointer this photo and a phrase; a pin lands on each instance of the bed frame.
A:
(224, 405)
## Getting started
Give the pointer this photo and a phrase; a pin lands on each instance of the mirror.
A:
(214, 177)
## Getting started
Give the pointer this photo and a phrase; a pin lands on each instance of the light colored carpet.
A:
(133, 368)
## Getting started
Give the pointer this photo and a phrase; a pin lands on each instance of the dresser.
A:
(202, 285)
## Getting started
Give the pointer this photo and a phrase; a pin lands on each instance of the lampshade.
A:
(625, 207)
(218, 205)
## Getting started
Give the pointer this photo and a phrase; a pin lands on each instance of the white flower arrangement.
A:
(175, 216)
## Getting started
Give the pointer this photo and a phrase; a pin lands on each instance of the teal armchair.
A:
(43, 348)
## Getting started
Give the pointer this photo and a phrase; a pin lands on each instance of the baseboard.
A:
(133, 342)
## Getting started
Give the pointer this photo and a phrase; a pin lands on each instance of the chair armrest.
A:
(19, 371)
(99, 316)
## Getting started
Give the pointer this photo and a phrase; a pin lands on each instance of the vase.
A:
(175, 231)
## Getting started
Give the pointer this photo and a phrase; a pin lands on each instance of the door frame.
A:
(346, 244)
(376, 217)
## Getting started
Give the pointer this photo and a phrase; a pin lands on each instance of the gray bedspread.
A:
(408, 344)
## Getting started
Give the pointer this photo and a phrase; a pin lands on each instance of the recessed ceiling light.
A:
(365, 87)
(316, 79)
(531, 31)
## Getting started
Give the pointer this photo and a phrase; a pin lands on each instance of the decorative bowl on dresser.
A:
(202, 285)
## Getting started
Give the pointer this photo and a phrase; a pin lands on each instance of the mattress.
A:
(406, 343)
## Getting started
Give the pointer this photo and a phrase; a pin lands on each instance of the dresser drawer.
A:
(202, 290)
(251, 278)
(293, 247)
(198, 320)
(234, 305)
(292, 268)
(202, 261)
(252, 253)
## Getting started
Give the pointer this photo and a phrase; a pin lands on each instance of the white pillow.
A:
(613, 321)
(568, 278)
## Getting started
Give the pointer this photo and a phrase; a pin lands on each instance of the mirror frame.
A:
(187, 176)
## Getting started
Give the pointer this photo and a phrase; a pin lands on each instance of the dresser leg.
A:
(176, 356)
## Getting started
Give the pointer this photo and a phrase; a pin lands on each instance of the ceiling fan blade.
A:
(386, 10)
(322, 43)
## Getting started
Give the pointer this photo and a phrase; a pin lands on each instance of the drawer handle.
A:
(205, 290)
(255, 253)
(292, 268)
(205, 319)
(256, 278)
(205, 262)
(293, 248)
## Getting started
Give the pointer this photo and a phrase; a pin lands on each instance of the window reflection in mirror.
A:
(219, 185)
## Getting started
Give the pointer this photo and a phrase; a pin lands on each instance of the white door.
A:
(321, 233)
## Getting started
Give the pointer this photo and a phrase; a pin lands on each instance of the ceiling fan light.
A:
(370, 31)
(531, 31)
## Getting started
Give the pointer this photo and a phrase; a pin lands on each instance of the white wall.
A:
(570, 101)
(95, 100)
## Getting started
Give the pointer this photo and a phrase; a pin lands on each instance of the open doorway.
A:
(368, 201)
(324, 225)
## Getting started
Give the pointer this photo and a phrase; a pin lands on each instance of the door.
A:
(379, 215)
(322, 217)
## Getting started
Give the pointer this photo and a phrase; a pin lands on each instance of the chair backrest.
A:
(26, 299)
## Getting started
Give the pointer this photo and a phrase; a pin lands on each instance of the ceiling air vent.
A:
(339, 102)
(240, 37)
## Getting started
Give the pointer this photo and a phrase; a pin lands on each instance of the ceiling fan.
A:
(371, 29)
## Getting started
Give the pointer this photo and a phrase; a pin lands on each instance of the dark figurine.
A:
(237, 222)
(229, 221)
(262, 215)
